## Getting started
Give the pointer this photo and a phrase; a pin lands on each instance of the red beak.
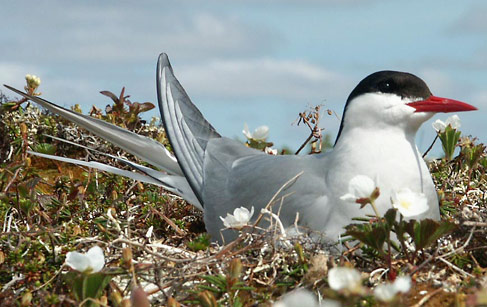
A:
(439, 104)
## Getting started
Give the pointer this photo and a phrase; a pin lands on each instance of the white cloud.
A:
(471, 22)
(262, 77)
(128, 31)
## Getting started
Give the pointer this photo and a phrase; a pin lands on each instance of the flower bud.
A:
(235, 268)
(116, 298)
(23, 129)
(299, 250)
(76, 230)
(26, 299)
(127, 255)
(375, 194)
(33, 82)
(37, 81)
(207, 299)
(138, 297)
(114, 195)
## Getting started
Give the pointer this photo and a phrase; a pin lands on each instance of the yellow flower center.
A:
(405, 204)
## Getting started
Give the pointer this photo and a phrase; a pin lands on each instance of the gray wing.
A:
(237, 176)
(187, 129)
(143, 147)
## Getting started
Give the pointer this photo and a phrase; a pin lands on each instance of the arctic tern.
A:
(218, 174)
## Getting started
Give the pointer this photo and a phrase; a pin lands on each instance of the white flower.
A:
(260, 133)
(241, 216)
(32, 80)
(452, 121)
(343, 278)
(386, 292)
(360, 186)
(409, 203)
(402, 284)
(300, 297)
(270, 151)
(91, 261)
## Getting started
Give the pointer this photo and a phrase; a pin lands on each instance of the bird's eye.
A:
(386, 86)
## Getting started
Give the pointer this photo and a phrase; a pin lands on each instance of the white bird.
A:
(218, 174)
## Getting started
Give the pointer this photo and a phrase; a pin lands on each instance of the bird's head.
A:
(392, 99)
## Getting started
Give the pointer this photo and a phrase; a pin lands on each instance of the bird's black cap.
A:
(402, 84)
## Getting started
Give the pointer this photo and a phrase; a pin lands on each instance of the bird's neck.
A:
(373, 151)
(371, 137)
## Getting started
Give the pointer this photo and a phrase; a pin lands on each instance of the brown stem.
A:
(431, 146)
(304, 144)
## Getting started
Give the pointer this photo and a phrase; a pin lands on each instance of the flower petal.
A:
(299, 297)
(240, 218)
(340, 278)
(361, 186)
(453, 121)
(261, 133)
(439, 125)
(385, 292)
(402, 284)
(410, 203)
(251, 212)
(77, 261)
(348, 197)
(246, 131)
(96, 257)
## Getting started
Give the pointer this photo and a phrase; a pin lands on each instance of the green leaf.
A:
(199, 243)
(449, 139)
(88, 285)
(23, 191)
(145, 106)
(373, 235)
(472, 154)
(45, 148)
(390, 217)
(245, 288)
(111, 95)
(426, 232)
(212, 289)
(400, 230)
(237, 302)
(219, 281)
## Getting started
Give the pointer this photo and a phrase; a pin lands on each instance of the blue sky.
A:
(259, 62)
